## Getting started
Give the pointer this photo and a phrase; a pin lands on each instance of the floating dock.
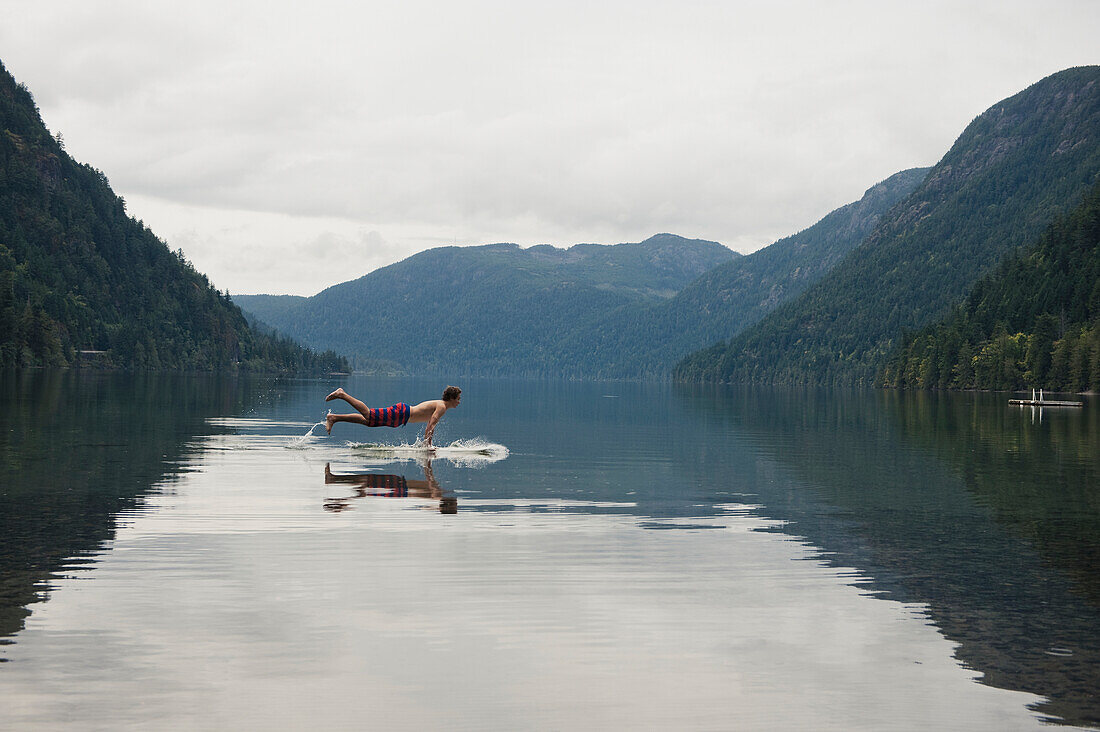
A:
(1041, 402)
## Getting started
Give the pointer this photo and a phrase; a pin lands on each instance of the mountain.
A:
(488, 310)
(1013, 169)
(647, 342)
(1034, 322)
(81, 281)
(590, 311)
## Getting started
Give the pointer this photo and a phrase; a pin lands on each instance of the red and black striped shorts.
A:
(395, 416)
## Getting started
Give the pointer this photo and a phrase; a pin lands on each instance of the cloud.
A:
(491, 121)
(252, 252)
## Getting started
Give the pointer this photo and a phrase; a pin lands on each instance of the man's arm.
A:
(430, 429)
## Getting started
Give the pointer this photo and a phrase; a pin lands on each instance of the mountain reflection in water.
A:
(609, 522)
(77, 448)
(955, 501)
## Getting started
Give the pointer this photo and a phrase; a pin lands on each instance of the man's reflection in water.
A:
(388, 486)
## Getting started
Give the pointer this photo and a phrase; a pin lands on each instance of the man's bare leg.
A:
(360, 407)
(332, 419)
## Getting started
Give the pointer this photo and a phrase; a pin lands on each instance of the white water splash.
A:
(472, 452)
(300, 443)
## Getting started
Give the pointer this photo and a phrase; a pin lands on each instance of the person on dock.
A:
(398, 415)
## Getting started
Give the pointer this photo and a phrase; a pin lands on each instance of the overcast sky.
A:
(286, 147)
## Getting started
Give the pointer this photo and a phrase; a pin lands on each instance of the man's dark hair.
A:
(451, 393)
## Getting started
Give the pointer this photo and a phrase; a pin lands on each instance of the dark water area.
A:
(834, 559)
(76, 449)
(987, 514)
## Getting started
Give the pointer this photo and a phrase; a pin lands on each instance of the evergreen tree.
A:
(1034, 322)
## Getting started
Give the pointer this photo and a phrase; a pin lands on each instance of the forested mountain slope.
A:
(488, 310)
(1033, 322)
(647, 342)
(586, 312)
(77, 274)
(1014, 168)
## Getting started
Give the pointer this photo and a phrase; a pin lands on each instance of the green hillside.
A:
(623, 311)
(82, 282)
(1013, 169)
(1034, 322)
(634, 342)
(488, 310)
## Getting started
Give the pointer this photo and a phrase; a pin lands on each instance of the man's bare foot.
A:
(338, 394)
(329, 421)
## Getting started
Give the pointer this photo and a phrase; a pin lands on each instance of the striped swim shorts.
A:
(391, 486)
(395, 416)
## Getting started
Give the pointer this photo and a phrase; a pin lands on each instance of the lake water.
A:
(174, 556)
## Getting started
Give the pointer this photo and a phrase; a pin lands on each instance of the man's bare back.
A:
(424, 411)
(398, 415)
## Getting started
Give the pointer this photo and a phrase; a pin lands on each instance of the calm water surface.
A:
(174, 555)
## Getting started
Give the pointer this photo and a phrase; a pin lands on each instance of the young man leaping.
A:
(398, 415)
